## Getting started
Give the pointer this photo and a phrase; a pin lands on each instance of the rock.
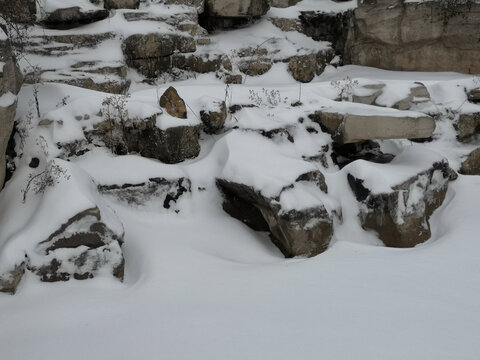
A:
(255, 67)
(287, 24)
(304, 68)
(375, 90)
(237, 8)
(80, 248)
(121, 4)
(468, 126)
(19, 11)
(400, 215)
(394, 35)
(170, 145)
(10, 83)
(474, 96)
(471, 165)
(283, 3)
(302, 232)
(167, 191)
(213, 115)
(173, 103)
(9, 282)
(151, 54)
(418, 94)
(350, 128)
(344, 154)
(198, 4)
(71, 17)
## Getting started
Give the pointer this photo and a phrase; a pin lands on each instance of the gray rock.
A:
(474, 96)
(391, 34)
(121, 4)
(237, 8)
(71, 17)
(471, 165)
(349, 128)
(214, 116)
(9, 282)
(79, 249)
(304, 67)
(400, 217)
(305, 232)
(468, 126)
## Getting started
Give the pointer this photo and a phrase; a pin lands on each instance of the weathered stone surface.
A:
(468, 126)
(151, 54)
(474, 96)
(167, 191)
(9, 282)
(400, 217)
(19, 11)
(428, 36)
(255, 67)
(71, 17)
(198, 4)
(305, 232)
(237, 8)
(213, 115)
(80, 248)
(471, 165)
(142, 136)
(418, 94)
(173, 103)
(10, 83)
(304, 67)
(121, 4)
(283, 3)
(349, 128)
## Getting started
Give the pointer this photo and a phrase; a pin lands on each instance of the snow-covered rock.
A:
(63, 229)
(468, 127)
(471, 165)
(398, 198)
(213, 114)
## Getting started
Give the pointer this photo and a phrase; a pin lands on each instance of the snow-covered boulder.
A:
(397, 199)
(213, 114)
(353, 123)
(73, 16)
(10, 83)
(471, 165)
(121, 4)
(61, 228)
(278, 194)
(468, 126)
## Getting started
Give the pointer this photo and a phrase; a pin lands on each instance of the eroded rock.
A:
(400, 213)
(173, 103)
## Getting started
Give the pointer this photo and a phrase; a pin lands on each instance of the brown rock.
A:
(173, 103)
(471, 166)
(214, 118)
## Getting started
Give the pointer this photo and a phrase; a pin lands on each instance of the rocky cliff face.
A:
(10, 83)
(430, 36)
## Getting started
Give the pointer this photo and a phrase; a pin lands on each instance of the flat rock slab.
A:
(351, 128)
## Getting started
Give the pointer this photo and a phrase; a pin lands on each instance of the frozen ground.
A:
(201, 285)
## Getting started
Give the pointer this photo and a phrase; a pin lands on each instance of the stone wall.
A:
(430, 36)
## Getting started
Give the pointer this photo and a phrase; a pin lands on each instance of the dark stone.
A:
(34, 162)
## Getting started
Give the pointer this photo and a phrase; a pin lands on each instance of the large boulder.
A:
(468, 127)
(151, 54)
(71, 17)
(393, 34)
(399, 209)
(471, 165)
(56, 238)
(121, 4)
(357, 126)
(10, 83)
(278, 194)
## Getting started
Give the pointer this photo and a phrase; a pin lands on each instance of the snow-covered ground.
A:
(201, 285)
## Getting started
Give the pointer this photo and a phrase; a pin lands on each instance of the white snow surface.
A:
(200, 284)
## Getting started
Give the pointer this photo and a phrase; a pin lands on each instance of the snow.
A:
(200, 284)
(7, 99)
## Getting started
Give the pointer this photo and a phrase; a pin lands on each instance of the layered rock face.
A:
(429, 36)
(10, 83)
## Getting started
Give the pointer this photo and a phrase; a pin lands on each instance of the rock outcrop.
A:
(471, 165)
(296, 232)
(350, 128)
(71, 17)
(399, 213)
(425, 36)
(10, 83)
